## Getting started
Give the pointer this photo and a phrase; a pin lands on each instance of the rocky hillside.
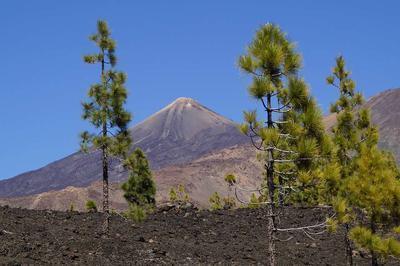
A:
(200, 177)
(179, 133)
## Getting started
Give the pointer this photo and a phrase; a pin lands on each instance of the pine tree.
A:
(292, 136)
(140, 188)
(361, 176)
(347, 136)
(105, 109)
(374, 191)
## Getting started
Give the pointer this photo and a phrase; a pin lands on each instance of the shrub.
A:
(218, 203)
(215, 201)
(179, 195)
(91, 206)
(136, 213)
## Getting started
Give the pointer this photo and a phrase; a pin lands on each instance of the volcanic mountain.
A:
(181, 151)
(179, 133)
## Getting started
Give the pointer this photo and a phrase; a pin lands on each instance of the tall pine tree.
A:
(105, 109)
(291, 136)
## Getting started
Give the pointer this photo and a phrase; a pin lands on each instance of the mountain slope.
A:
(200, 171)
(177, 134)
(201, 178)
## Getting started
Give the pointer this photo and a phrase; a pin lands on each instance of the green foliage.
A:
(254, 201)
(218, 203)
(229, 202)
(294, 133)
(332, 225)
(271, 51)
(104, 109)
(136, 213)
(373, 187)
(140, 188)
(362, 182)
(91, 206)
(178, 195)
(173, 196)
(365, 238)
(215, 202)
(71, 207)
(230, 179)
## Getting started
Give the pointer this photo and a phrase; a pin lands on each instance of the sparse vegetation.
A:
(178, 195)
(254, 201)
(91, 206)
(216, 202)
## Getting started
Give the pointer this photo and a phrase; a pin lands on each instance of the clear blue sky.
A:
(169, 49)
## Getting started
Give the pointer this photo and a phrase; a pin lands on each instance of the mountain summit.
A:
(179, 133)
(182, 131)
(181, 120)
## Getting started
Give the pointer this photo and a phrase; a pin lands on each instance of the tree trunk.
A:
(349, 250)
(280, 197)
(105, 186)
(271, 236)
(105, 166)
(374, 258)
(271, 192)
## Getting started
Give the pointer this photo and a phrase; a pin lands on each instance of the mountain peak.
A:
(187, 124)
(184, 118)
(183, 100)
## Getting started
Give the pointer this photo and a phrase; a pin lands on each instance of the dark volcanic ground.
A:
(174, 236)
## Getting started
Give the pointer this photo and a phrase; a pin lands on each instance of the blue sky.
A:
(169, 49)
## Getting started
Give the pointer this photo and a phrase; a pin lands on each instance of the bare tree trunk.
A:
(349, 250)
(271, 236)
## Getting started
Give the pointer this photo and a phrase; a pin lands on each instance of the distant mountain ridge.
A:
(179, 133)
(187, 144)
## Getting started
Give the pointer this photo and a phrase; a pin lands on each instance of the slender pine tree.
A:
(105, 109)
(291, 138)
(353, 126)
(363, 182)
